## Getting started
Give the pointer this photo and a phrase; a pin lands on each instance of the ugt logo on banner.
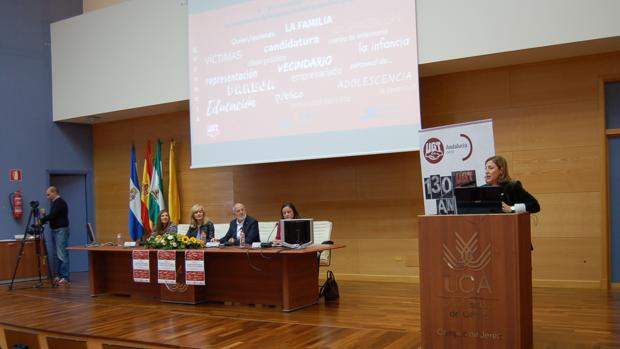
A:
(433, 150)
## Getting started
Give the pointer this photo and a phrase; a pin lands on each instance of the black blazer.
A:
(250, 229)
(514, 193)
(206, 228)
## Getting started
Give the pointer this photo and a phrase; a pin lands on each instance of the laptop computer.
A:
(478, 200)
(91, 240)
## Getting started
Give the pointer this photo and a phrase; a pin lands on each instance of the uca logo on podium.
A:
(466, 259)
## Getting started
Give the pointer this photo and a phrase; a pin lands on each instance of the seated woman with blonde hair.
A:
(200, 227)
(164, 225)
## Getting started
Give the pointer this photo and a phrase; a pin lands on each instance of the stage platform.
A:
(369, 315)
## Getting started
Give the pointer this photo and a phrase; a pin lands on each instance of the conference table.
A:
(287, 278)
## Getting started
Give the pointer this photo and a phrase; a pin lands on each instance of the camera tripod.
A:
(36, 231)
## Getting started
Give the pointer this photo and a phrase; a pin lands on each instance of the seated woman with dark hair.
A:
(164, 225)
(200, 227)
(287, 211)
(514, 197)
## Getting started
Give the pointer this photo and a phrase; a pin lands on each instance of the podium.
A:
(475, 281)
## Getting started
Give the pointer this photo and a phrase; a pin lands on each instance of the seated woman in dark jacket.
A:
(164, 225)
(514, 197)
(200, 227)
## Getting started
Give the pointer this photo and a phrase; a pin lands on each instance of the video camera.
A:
(36, 228)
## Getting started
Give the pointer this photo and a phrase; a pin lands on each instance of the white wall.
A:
(134, 54)
(454, 29)
(130, 55)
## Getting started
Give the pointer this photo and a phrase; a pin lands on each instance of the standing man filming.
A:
(59, 223)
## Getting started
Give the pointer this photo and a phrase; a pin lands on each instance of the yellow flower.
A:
(185, 239)
(193, 240)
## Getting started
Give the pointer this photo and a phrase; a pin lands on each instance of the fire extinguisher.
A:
(17, 204)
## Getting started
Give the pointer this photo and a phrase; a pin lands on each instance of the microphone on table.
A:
(268, 243)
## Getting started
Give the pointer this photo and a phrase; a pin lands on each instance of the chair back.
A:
(221, 229)
(182, 229)
(265, 230)
(323, 232)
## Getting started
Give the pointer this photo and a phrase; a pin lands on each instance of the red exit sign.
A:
(15, 175)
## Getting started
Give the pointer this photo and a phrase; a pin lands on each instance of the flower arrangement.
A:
(173, 242)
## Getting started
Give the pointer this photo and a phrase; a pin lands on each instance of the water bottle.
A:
(241, 238)
(119, 239)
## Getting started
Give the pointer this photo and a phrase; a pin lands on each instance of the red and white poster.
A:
(453, 156)
(166, 267)
(141, 271)
(194, 267)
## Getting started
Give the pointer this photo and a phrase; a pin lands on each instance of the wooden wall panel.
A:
(465, 92)
(547, 123)
(389, 256)
(564, 81)
(568, 215)
(347, 262)
(567, 259)
(546, 126)
(559, 170)
(330, 180)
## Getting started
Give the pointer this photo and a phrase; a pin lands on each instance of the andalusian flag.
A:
(146, 187)
(156, 198)
(174, 205)
(136, 230)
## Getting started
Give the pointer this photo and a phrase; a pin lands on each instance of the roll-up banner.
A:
(453, 156)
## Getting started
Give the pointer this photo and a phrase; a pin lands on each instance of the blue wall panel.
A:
(612, 116)
(29, 139)
(614, 209)
(612, 105)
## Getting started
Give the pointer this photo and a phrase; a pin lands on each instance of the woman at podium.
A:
(514, 197)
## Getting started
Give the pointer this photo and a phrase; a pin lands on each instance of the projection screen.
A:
(280, 80)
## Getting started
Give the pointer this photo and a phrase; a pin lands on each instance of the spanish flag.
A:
(145, 188)
(174, 205)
